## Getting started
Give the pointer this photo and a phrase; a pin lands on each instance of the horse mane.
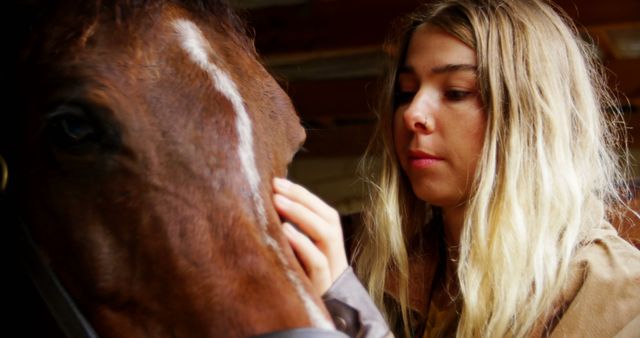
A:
(214, 12)
(29, 12)
(205, 9)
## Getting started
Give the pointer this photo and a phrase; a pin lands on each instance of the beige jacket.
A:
(352, 310)
(601, 299)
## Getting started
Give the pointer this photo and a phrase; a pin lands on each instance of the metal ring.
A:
(4, 178)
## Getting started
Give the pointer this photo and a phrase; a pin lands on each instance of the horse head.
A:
(143, 140)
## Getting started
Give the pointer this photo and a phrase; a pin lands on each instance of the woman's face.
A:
(440, 122)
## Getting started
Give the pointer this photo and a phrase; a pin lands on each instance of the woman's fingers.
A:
(312, 260)
(313, 225)
(312, 215)
(301, 195)
(316, 219)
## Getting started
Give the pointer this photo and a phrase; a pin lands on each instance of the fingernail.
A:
(279, 199)
(287, 227)
(281, 183)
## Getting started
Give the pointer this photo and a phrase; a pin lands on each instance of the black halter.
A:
(61, 305)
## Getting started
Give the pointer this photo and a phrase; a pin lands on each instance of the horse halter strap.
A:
(304, 333)
(59, 302)
(4, 174)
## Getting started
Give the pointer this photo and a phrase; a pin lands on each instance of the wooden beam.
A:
(598, 12)
(324, 103)
(360, 62)
(325, 25)
(337, 141)
(257, 4)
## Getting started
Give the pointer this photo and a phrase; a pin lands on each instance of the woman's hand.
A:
(321, 252)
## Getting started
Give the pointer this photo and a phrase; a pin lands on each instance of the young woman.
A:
(499, 170)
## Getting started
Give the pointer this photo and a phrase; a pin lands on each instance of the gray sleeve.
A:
(352, 310)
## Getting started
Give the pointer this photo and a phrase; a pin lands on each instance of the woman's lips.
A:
(420, 159)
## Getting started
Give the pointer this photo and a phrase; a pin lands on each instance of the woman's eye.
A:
(403, 97)
(456, 95)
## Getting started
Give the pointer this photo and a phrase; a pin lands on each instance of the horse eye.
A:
(69, 128)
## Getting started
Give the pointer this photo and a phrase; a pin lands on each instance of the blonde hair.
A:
(549, 171)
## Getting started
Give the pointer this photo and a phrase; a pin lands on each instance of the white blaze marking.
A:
(194, 43)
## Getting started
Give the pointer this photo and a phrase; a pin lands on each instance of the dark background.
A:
(327, 55)
(328, 52)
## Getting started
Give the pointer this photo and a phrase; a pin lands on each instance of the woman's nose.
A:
(419, 115)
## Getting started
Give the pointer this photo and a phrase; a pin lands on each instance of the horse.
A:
(140, 139)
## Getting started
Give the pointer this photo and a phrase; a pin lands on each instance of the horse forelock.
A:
(124, 8)
(77, 20)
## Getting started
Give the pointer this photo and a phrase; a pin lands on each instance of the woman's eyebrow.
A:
(448, 68)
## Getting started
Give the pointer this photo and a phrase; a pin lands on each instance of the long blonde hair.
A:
(549, 171)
